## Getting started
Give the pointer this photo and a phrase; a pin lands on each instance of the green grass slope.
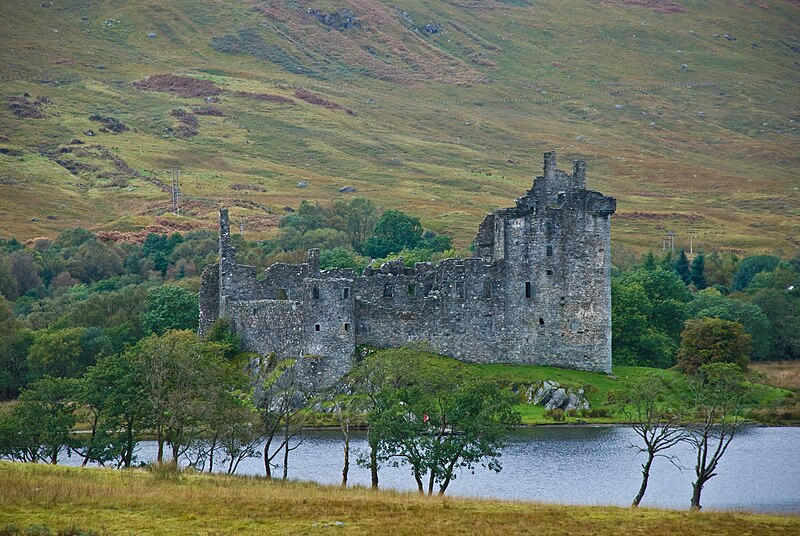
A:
(598, 386)
(442, 108)
(138, 502)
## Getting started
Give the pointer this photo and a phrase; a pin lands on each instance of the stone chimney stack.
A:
(313, 261)
(579, 174)
(549, 164)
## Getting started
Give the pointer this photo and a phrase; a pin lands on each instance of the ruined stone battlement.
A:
(538, 291)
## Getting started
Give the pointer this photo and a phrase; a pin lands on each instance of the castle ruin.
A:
(537, 292)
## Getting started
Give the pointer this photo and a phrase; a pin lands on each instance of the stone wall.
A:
(537, 292)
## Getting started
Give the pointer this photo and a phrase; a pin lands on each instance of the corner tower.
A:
(555, 245)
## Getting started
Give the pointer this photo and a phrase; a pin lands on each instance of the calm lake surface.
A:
(578, 465)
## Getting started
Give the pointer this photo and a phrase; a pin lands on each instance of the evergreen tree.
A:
(698, 271)
(682, 267)
(649, 262)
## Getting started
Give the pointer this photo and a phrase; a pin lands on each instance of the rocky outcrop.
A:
(552, 395)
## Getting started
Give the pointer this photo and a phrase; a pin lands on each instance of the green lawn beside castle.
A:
(597, 386)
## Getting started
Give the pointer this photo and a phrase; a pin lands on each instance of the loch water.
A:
(586, 465)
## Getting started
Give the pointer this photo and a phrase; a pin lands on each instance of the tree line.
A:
(192, 396)
(431, 414)
(665, 310)
(65, 302)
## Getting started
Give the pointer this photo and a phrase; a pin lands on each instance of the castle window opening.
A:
(541, 321)
(282, 294)
(527, 290)
(411, 290)
(316, 327)
(428, 288)
(346, 293)
(460, 290)
(315, 293)
(549, 272)
(563, 300)
(549, 250)
(487, 289)
(388, 291)
(347, 327)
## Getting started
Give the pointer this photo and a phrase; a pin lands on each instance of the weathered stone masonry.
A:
(538, 291)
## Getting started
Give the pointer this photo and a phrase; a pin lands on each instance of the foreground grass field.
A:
(139, 502)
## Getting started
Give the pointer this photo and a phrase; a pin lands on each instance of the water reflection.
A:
(578, 465)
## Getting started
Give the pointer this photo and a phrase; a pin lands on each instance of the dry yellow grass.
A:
(783, 374)
(138, 502)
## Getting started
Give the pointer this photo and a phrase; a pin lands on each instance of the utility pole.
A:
(176, 191)
(668, 241)
(692, 234)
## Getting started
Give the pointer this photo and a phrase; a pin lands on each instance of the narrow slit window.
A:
(411, 290)
(541, 321)
(487, 289)
(428, 289)
(549, 250)
(460, 290)
(317, 327)
(549, 272)
(347, 327)
(388, 291)
(346, 293)
(527, 290)
(315, 293)
(282, 294)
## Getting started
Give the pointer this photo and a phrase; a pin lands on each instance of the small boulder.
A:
(619, 106)
(347, 189)
(433, 27)
(729, 37)
(558, 400)
(545, 392)
(684, 67)
(302, 184)
(151, 35)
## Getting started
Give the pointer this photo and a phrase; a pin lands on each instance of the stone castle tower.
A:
(537, 292)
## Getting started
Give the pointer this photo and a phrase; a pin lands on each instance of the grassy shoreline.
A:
(142, 502)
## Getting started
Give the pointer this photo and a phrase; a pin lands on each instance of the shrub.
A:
(165, 470)
(599, 413)
(556, 414)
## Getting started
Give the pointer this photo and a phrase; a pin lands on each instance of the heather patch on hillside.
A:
(185, 86)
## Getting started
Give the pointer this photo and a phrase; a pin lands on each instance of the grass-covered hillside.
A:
(686, 111)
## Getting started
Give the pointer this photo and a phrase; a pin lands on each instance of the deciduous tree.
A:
(713, 340)
(719, 396)
(645, 406)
